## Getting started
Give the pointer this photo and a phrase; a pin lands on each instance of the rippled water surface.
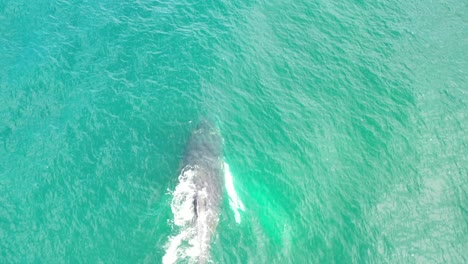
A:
(344, 124)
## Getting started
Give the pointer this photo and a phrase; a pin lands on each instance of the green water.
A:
(345, 127)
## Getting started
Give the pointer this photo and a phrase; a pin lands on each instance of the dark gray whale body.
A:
(204, 162)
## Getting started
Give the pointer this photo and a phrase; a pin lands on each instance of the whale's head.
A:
(205, 141)
(206, 126)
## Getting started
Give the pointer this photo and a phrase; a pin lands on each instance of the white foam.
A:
(182, 201)
(234, 200)
(191, 240)
(172, 250)
(186, 246)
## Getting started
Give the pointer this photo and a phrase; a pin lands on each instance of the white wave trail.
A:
(184, 245)
(188, 243)
(234, 200)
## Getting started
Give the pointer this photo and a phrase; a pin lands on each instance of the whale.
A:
(203, 156)
(197, 198)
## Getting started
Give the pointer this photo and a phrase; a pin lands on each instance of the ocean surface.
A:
(345, 127)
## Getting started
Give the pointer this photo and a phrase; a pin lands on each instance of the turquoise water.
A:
(344, 124)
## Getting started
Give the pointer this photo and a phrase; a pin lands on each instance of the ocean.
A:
(344, 126)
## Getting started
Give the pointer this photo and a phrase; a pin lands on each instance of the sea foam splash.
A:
(234, 200)
(184, 245)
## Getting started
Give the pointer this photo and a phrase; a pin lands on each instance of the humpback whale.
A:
(197, 197)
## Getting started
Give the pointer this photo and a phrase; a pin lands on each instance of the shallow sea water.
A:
(344, 125)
